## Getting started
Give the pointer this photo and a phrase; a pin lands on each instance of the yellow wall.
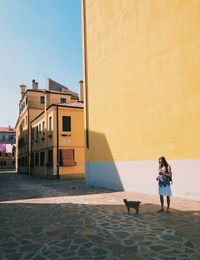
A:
(74, 140)
(142, 74)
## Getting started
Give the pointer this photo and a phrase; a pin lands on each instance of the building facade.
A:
(141, 59)
(50, 132)
(7, 148)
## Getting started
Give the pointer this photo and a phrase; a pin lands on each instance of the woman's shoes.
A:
(161, 210)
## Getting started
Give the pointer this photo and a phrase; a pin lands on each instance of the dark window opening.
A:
(42, 156)
(50, 123)
(50, 157)
(36, 159)
(63, 100)
(25, 161)
(19, 161)
(66, 123)
(41, 100)
(43, 127)
(22, 161)
(32, 160)
(36, 132)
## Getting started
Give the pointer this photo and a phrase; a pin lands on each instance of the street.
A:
(58, 219)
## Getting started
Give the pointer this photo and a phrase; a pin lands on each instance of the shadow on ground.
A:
(15, 186)
(79, 231)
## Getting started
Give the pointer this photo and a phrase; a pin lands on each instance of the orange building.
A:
(50, 132)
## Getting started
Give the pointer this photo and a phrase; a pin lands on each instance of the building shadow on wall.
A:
(101, 170)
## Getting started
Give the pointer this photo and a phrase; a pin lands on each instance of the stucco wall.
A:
(141, 64)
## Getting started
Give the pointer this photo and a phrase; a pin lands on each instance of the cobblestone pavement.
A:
(42, 219)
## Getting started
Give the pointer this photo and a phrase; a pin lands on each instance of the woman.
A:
(164, 178)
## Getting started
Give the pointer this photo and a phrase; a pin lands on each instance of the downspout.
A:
(85, 72)
(28, 147)
(57, 143)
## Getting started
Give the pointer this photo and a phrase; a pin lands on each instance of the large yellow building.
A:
(50, 132)
(142, 82)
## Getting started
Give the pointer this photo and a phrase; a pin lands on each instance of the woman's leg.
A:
(168, 203)
(161, 202)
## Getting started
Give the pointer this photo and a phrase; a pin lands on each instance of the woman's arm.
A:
(157, 178)
(169, 171)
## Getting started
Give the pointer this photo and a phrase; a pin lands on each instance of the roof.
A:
(7, 130)
(66, 92)
(73, 104)
(70, 105)
(55, 88)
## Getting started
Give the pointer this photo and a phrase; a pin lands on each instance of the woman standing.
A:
(164, 178)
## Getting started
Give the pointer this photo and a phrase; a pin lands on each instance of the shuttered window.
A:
(67, 157)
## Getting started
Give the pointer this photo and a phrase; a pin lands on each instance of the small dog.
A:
(132, 204)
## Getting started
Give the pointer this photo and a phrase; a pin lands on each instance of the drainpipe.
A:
(57, 142)
(46, 103)
(29, 147)
(84, 29)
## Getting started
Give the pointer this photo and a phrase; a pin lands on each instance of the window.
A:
(63, 100)
(36, 132)
(41, 100)
(32, 160)
(50, 157)
(25, 160)
(67, 157)
(39, 128)
(22, 161)
(36, 159)
(32, 134)
(66, 123)
(42, 154)
(19, 161)
(43, 126)
(13, 150)
(50, 123)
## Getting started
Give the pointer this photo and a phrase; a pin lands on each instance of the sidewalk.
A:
(42, 219)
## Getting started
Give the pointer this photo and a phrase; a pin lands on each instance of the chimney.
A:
(34, 85)
(22, 90)
(81, 95)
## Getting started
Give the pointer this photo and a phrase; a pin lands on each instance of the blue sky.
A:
(39, 39)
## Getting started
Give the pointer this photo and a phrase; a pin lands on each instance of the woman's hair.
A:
(162, 158)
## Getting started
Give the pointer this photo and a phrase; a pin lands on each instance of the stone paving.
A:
(42, 219)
